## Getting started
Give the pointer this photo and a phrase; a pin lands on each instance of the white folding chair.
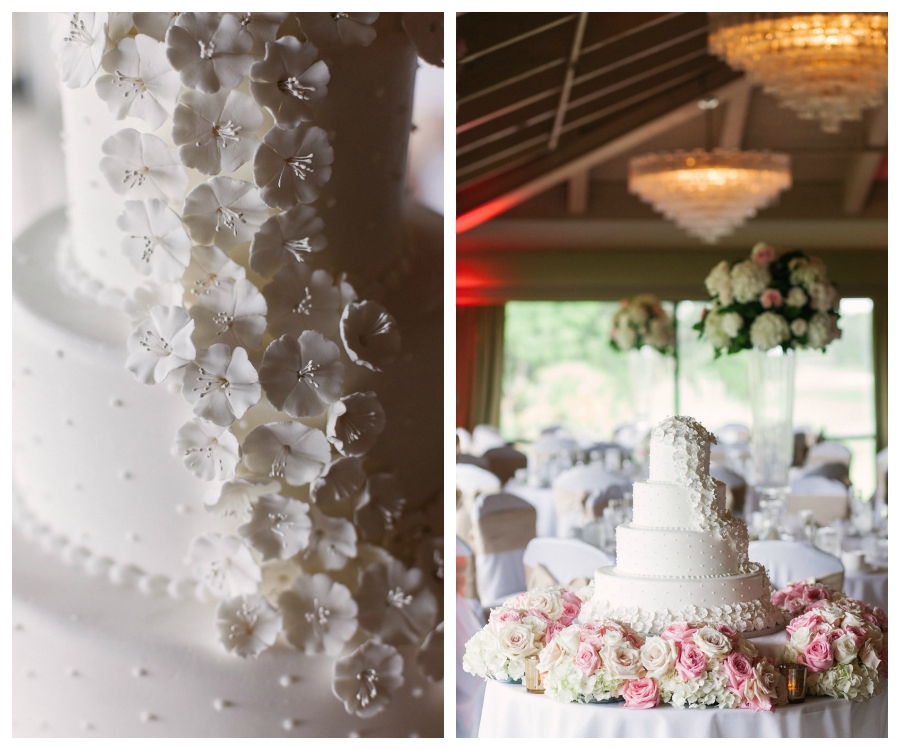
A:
(574, 486)
(794, 561)
(485, 437)
(551, 561)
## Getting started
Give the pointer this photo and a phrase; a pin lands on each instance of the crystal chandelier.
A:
(709, 193)
(824, 66)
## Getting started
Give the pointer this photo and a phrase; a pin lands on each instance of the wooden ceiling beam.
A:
(864, 167)
(567, 82)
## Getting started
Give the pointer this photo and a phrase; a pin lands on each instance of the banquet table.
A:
(542, 499)
(870, 587)
(510, 711)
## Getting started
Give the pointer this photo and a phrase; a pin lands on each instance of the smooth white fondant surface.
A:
(668, 505)
(641, 550)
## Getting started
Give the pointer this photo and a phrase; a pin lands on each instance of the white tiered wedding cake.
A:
(684, 556)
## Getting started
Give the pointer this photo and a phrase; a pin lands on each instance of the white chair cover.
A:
(563, 560)
(505, 461)
(794, 561)
(573, 486)
(469, 688)
(834, 470)
(826, 498)
(828, 452)
(733, 433)
(472, 480)
(503, 526)
(465, 439)
(813, 485)
(485, 437)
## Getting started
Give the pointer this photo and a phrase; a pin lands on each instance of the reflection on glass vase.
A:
(772, 377)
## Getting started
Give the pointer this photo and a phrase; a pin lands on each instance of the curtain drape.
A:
(479, 364)
(880, 366)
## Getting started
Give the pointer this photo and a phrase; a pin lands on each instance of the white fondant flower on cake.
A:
(379, 506)
(143, 166)
(224, 212)
(279, 527)
(160, 343)
(289, 83)
(340, 481)
(155, 241)
(302, 375)
(236, 497)
(291, 166)
(301, 299)
(247, 625)
(354, 423)
(224, 565)
(293, 234)
(141, 82)
(79, 43)
(210, 268)
(319, 614)
(430, 658)
(260, 28)
(332, 542)
(215, 132)
(366, 679)
(232, 313)
(426, 32)
(370, 335)
(147, 296)
(209, 52)
(288, 450)
(208, 450)
(395, 604)
(221, 384)
(328, 29)
(154, 24)
(120, 26)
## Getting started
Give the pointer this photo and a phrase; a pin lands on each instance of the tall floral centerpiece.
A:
(643, 329)
(774, 302)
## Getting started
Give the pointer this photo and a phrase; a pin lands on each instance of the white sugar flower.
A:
(143, 166)
(147, 296)
(247, 625)
(232, 313)
(332, 542)
(221, 384)
(292, 234)
(319, 614)
(430, 658)
(301, 299)
(224, 565)
(154, 24)
(768, 331)
(278, 528)
(328, 29)
(370, 335)
(426, 32)
(289, 83)
(208, 450)
(341, 480)
(142, 83)
(395, 604)
(354, 423)
(236, 497)
(223, 212)
(260, 28)
(291, 166)
(209, 52)
(210, 268)
(288, 450)
(379, 506)
(215, 132)
(160, 343)
(155, 241)
(302, 375)
(79, 44)
(366, 679)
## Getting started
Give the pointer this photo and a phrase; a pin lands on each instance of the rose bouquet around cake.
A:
(841, 641)
(520, 628)
(641, 321)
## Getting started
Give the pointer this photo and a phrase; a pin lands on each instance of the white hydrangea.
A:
(715, 331)
(749, 280)
(822, 296)
(823, 329)
(732, 323)
(483, 657)
(799, 327)
(719, 283)
(768, 331)
(796, 297)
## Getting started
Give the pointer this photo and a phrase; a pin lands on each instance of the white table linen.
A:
(792, 561)
(870, 587)
(469, 689)
(542, 500)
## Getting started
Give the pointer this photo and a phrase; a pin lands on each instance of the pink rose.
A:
(592, 632)
(823, 628)
(532, 612)
(737, 668)
(725, 630)
(569, 596)
(832, 635)
(818, 656)
(778, 598)
(880, 618)
(679, 631)
(570, 612)
(821, 603)
(503, 617)
(814, 594)
(691, 661)
(794, 604)
(643, 693)
(808, 620)
(871, 618)
(771, 298)
(763, 254)
(552, 629)
(859, 634)
(634, 639)
(587, 659)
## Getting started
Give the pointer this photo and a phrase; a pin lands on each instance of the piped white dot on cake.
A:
(87, 726)
(286, 680)
(146, 716)
(220, 704)
(125, 474)
(138, 672)
(72, 672)
(289, 724)
(115, 402)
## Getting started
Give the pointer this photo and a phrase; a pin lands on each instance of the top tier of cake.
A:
(679, 451)
(366, 114)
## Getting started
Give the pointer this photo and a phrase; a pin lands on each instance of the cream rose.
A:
(845, 649)
(569, 639)
(711, 642)
(798, 327)
(801, 638)
(551, 656)
(658, 656)
(747, 648)
(548, 602)
(623, 661)
(796, 297)
(517, 639)
(538, 625)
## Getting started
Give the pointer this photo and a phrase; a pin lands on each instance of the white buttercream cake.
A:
(227, 374)
(683, 557)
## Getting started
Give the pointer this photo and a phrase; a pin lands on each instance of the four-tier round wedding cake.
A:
(684, 556)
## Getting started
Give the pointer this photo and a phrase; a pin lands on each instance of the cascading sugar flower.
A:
(208, 450)
(290, 83)
(142, 166)
(210, 268)
(260, 28)
(223, 212)
(279, 527)
(247, 625)
(355, 422)
(332, 541)
(395, 604)
(232, 313)
(319, 613)
(221, 384)
(224, 565)
(291, 166)
(209, 52)
(79, 43)
(366, 679)
(236, 497)
(287, 450)
(330, 29)
(154, 25)
(379, 506)
(370, 335)
(340, 481)
(160, 344)
(301, 299)
(291, 235)
(430, 658)
(155, 241)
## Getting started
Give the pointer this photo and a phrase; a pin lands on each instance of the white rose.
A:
(869, 656)
(852, 619)
(798, 327)
(768, 331)
(623, 661)
(547, 601)
(732, 323)
(796, 297)
(517, 639)
(570, 638)
(551, 656)
(801, 638)
(761, 685)
(538, 625)
(823, 330)
(845, 649)
(749, 280)
(747, 648)
(831, 615)
(714, 331)
(658, 656)
(613, 638)
(711, 642)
